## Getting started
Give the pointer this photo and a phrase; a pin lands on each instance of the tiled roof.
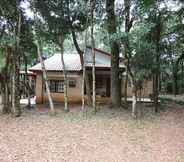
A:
(72, 61)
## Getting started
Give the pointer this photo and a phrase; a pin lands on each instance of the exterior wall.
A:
(38, 89)
(145, 92)
(74, 93)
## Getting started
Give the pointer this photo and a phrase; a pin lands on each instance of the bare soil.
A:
(111, 135)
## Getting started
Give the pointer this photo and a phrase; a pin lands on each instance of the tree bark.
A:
(93, 2)
(126, 44)
(157, 35)
(16, 109)
(81, 53)
(28, 85)
(156, 92)
(61, 41)
(115, 75)
(83, 79)
(126, 88)
(5, 98)
(182, 76)
(134, 101)
(6, 82)
(128, 25)
(45, 78)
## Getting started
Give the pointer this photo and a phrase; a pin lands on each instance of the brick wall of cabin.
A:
(74, 93)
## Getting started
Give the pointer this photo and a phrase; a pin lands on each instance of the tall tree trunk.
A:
(16, 109)
(128, 25)
(81, 53)
(134, 99)
(6, 82)
(83, 87)
(182, 76)
(5, 97)
(45, 78)
(28, 85)
(93, 2)
(155, 90)
(83, 77)
(61, 41)
(126, 88)
(157, 35)
(115, 76)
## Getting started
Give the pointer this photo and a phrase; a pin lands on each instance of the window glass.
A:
(72, 83)
(52, 86)
(60, 86)
(56, 86)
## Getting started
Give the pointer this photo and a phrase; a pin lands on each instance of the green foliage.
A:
(60, 17)
(2, 60)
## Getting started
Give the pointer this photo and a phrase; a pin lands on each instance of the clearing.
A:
(109, 136)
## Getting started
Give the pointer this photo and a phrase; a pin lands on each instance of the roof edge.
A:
(99, 50)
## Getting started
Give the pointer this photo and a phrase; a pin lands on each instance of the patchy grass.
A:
(109, 136)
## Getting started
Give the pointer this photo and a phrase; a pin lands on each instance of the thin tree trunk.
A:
(134, 94)
(126, 87)
(134, 102)
(156, 92)
(28, 86)
(83, 87)
(83, 77)
(182, 76)
(157, 34)
(16, 109)
(80, 52)
(128, 25)
(93, 54)
(61, 41)
(6, 82)
(5, 98)
(88, 88)
(45, 78)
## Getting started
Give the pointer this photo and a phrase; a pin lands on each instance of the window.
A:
(56, 86)
(52, 85)
(60, 86)
(72, 83)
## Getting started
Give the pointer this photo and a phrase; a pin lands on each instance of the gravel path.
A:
(109, 136)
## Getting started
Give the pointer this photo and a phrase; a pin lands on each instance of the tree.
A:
(12, 16)
(39, 51)
(93, 53)
(115, 72)
(56, 18)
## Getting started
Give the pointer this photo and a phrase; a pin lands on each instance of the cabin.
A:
(74, 70)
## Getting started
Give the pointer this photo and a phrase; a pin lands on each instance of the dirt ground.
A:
(109, 136)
